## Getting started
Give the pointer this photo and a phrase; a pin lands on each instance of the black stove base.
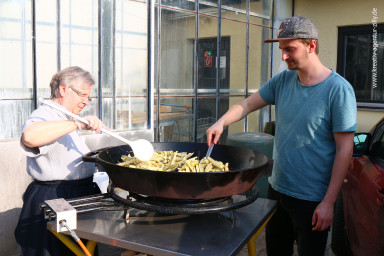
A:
(180, 206)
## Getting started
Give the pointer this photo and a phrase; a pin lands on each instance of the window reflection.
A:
(360, 61)
(65, 38)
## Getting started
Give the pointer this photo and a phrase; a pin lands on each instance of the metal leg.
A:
(251, 243)
(91, 246)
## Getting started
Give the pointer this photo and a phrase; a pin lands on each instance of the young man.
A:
(315, 124)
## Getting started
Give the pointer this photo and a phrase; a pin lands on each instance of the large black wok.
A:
(245, 166)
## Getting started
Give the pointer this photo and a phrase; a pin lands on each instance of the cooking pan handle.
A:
(90, 156)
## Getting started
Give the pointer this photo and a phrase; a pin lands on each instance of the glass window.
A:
(15, 66)
(67, 33)
(131, 65)
(205, 60)
(361, 61)
(221, 76)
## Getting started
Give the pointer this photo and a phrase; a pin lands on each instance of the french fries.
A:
(175, 161)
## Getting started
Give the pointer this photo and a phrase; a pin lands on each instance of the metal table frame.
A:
(223, 233)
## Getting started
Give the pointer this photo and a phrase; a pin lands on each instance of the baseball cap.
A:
(296, 27)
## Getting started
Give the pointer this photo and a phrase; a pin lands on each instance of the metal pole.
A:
(99, 65)
(218, 61)
(70, 34)
(270, 71)
(196, 71)
(158, 63)
(58, 34)
(247, 62)
(34, 93)
(23, 46)
(151, 64)
(114, 98)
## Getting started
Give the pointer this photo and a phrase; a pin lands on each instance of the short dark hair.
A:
(308, 41)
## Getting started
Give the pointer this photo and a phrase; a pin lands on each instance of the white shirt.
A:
(60, 159)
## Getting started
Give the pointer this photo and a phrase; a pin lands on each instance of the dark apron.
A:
(31, 233)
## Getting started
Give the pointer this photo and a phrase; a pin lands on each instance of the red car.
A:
(358, 226)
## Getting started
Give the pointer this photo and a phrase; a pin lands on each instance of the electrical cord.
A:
(63, 223)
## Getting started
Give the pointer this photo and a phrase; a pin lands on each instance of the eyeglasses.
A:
(81, 94)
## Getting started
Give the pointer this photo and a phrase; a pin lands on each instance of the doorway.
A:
(207, 68)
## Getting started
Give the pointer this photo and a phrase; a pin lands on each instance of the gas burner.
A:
(181, 206)
(120, 200)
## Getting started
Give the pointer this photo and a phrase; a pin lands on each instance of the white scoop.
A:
(141, 148)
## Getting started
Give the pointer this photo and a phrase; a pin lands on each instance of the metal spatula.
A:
(209, 151)
(141, 148)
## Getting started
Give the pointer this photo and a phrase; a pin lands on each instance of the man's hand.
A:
(94, 124)
(323, 216)
(214, 132)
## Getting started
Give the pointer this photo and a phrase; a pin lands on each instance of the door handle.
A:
(379, 197)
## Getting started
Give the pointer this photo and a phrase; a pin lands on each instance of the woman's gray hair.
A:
(66, 77)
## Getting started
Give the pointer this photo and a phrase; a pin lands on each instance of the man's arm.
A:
(43, 132)
(234, 114)
(323, 215)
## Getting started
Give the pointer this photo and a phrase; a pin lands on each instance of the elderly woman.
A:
(54, 149)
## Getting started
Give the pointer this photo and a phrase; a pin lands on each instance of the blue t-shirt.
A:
(306, 118)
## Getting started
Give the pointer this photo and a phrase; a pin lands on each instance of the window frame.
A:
(341, 54)
(257, 24)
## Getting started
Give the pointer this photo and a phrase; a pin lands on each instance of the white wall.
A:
(328, 15)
